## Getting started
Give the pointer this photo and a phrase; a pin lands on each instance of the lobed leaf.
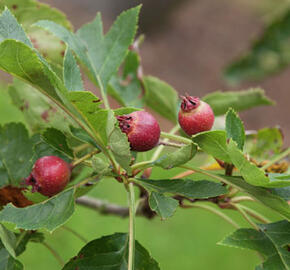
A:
(102, 55)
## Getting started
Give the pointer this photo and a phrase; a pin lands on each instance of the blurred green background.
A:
(185, 241)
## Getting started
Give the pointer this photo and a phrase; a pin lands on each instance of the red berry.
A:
(142, 130)
(49, 176)
(195, 115)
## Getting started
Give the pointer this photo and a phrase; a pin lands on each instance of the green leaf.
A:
(220, 102)
(28, 12)
(41, 149)
(111, 253)
(71, 73)
(161, 97)
(125, 110)
(58, 141)
(177, 158)
(100, 166)
(262, 195)
(88, 106)
(268, 55)
(184, 187)
(268, 141)
(250, 172)
(49, 214)
(83, 136)
(283, 192)
(127, 89)
(22, 62)
(119, 144)
(235, 129)
(10, 29)
(38, 110)
(8, 239)
(25, 237)
(7, 262)
(101, 54)
(15, 153)
(108, 52)
(213, 143)
(271, 241)
(162, 205)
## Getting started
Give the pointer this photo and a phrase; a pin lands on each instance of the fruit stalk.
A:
(131, 198)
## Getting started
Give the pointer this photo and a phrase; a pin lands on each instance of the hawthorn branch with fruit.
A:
(75, 140)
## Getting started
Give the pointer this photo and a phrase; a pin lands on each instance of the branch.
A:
(103, 207)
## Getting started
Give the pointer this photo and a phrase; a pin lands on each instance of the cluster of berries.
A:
(50, 174)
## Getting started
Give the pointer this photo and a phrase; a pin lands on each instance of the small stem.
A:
(20, 238)
(229, 169)
(195, 169)
(175, 138)
(102, 90)
(161, 147)
(216, 212)
(131, 198)
(92, 178)
(142, 164)
(54, 253)
(255, 214)
(82, 159)
(176, 145)
(75, 233)
(245, 215)
(241, 199)
(277, 158)
(81, 147)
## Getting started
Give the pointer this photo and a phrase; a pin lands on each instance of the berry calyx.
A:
(195, 115)
(49, 176)
(142, 130)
